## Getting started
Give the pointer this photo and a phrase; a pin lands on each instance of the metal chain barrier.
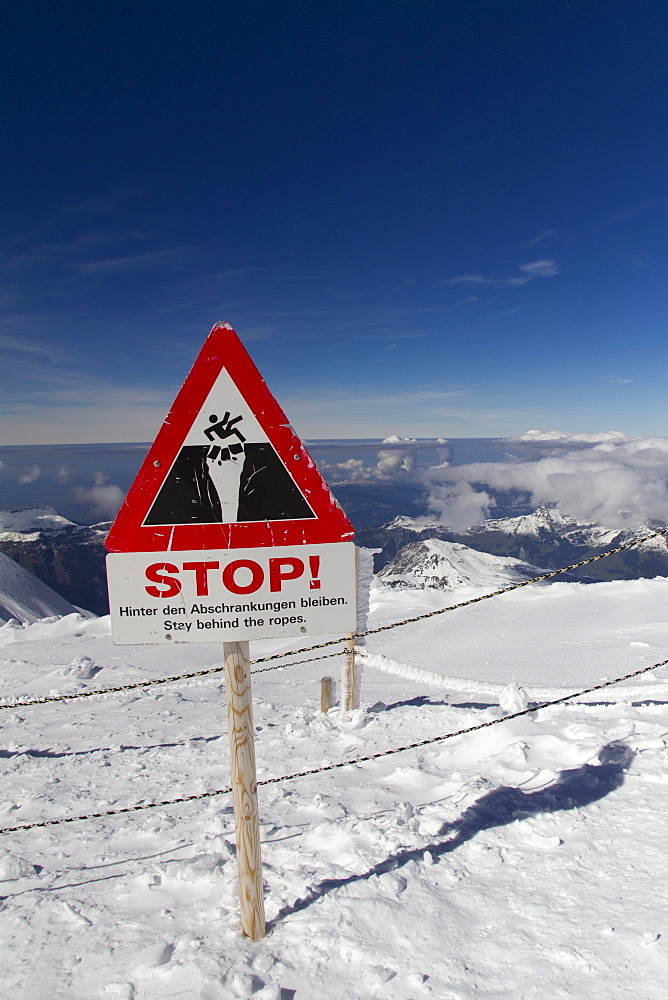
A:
(332, 642)
(298, 663)
(476, 600)
(113, 690)
(159, 680)
(115, 812)
(346, 763)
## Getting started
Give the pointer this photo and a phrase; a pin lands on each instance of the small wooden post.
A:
(350, 691)
(244, 787)
(350, 699)
(326, 694)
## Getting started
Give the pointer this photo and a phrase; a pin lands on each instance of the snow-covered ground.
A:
(526, 860)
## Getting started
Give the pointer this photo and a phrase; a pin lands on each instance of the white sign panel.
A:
(232, 595)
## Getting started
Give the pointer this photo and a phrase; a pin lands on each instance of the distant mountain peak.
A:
(450, 565)
(551, 523)
(68, 558)
(415, 523)
(542, 519)
(32, 520)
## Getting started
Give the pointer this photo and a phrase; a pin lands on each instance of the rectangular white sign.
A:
(232, 595)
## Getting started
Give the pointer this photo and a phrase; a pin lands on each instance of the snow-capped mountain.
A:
(544, 538)
(25, 598)
(70, 558)
(67, 557)
(450, 565)
(549, 523)
(549, 538)
(28, 523)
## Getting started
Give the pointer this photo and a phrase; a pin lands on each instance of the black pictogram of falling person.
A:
(267, 491)
(224, 429)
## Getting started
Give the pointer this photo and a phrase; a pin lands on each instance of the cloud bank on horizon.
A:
(607, 478)
(619, 485)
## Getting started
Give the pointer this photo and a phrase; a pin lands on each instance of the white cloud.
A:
(534, 269)
(568, 437)
(103, 204)
(65, 474)
(540, 268)
(619, 484)
(151, 260)
(351, 471)
(458, 505)
(392, 463)
(31, 350)
(545, 234)
(470, 279)
(31, 475)
(103, 497)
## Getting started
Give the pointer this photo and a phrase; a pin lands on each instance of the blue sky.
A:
(430, 219)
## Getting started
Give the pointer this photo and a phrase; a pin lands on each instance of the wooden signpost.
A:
(244, 787)
(229, 532)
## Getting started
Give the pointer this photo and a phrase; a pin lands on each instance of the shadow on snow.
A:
(572, 789)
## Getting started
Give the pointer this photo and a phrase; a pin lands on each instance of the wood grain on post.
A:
(244, 787)
(326, 693)
(350, 696)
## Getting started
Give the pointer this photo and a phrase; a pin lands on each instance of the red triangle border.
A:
(223, 349)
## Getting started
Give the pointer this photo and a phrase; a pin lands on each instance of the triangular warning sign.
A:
(226, 470)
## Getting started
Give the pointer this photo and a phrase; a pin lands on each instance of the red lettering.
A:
(293, 569)
(202, 575)
(256, 571)
(156, 572)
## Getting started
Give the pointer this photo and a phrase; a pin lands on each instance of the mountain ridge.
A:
(451, 565)
(70, 558)
(546, 537)
(67, 557)
(26, 599)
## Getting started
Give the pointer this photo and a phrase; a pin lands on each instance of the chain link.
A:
(159, 680)
(332, 642)
(345, 763)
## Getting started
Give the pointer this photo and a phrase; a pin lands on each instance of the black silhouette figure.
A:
(204, 487)
(224, 429)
